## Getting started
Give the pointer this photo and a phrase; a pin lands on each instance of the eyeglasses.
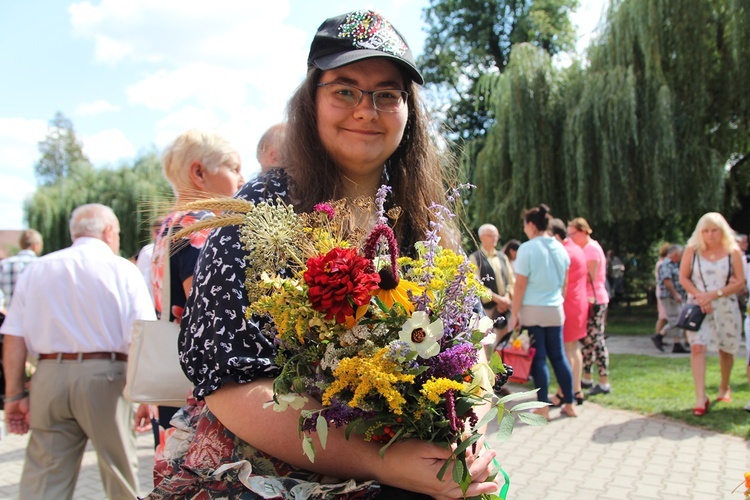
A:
(341, 95)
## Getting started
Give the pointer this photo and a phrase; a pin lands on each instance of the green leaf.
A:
(496, 363)
(477, 336)
(519, 395)
(527, 405)
(463, 445)
(393, 440)
(505, 427)
(351, 426)
(489, 416)
(381, 305)
(532, 419)
(458, 471)
(444, 468)
(308, 448)
(321, 426)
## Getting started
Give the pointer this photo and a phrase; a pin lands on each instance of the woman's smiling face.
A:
(361, 139)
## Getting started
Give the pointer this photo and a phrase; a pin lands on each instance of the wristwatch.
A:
(719, 292)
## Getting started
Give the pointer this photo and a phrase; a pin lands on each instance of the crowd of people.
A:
(355, 123)
(554, 287)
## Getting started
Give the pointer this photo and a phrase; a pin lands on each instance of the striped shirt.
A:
(10, 270)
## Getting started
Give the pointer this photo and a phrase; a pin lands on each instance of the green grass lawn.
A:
(638, 319)
(658, 386)
(661, 386)
(664, 386)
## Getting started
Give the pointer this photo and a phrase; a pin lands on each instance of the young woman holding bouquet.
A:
(354, 124)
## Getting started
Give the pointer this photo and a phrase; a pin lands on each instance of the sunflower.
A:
(391, 292)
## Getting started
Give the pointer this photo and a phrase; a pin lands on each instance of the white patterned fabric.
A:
(721, 329)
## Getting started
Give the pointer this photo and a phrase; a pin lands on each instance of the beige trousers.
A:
(72, 402)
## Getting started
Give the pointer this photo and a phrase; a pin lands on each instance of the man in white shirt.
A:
(74, 308)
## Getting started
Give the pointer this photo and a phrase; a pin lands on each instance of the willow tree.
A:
(467, 39)
(641, 141)
(130, 190)
(519, 164)
(646, 131)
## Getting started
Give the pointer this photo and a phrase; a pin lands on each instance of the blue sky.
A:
(133, 74)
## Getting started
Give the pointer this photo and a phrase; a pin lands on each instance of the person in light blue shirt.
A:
(541, 276)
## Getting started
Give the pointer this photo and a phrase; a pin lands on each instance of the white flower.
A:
(285, 401)
(483, 324)
(421, 335)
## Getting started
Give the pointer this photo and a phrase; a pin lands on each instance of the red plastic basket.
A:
(520, 361)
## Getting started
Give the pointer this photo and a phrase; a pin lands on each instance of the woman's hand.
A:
(414, 465)
(143, 416)
(513, 321)
(704, 298)
(707, 308)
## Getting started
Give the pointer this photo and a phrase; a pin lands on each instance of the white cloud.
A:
(107, 146)
(18, 144)
(208, 85)
(174, 31)
(95, 108)
(13, 192)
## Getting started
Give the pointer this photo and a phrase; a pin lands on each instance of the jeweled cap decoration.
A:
(359, 35)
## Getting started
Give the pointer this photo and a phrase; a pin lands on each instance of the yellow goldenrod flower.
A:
(434, 388)
(365, 375)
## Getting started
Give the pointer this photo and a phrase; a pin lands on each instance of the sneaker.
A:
(678, 348)
(587, 383)
(598, 389)
(658, 341)
(747, 406)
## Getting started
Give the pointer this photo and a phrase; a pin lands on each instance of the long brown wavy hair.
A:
(414, 171)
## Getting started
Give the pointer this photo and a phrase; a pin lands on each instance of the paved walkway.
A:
(602, 454)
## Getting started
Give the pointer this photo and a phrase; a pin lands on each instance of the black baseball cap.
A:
(358, 35)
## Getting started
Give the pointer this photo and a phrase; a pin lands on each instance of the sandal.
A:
(699, 412)
(727, 397)
(579, 397)
(559, 402)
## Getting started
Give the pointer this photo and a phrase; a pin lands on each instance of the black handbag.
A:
(691, 317)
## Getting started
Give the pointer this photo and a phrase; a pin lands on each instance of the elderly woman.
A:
(711, 272)
(198, 164)
(355, 123)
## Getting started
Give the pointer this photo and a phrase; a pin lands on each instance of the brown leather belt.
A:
(81, 356)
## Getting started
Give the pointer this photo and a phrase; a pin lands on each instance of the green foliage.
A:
(638, 142)
(467, 39)
(62, 152)
(129, 190)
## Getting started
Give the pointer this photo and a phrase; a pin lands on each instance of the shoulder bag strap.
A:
(554, 263)
(700, 271)
(591, 282)
(166, 282)
(729, 268)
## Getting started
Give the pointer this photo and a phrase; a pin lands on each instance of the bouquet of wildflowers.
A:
(389, 345)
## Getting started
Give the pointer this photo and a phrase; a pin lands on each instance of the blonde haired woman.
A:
(198, 164)
(711, 272)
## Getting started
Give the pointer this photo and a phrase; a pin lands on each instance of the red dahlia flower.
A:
(339, 281)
